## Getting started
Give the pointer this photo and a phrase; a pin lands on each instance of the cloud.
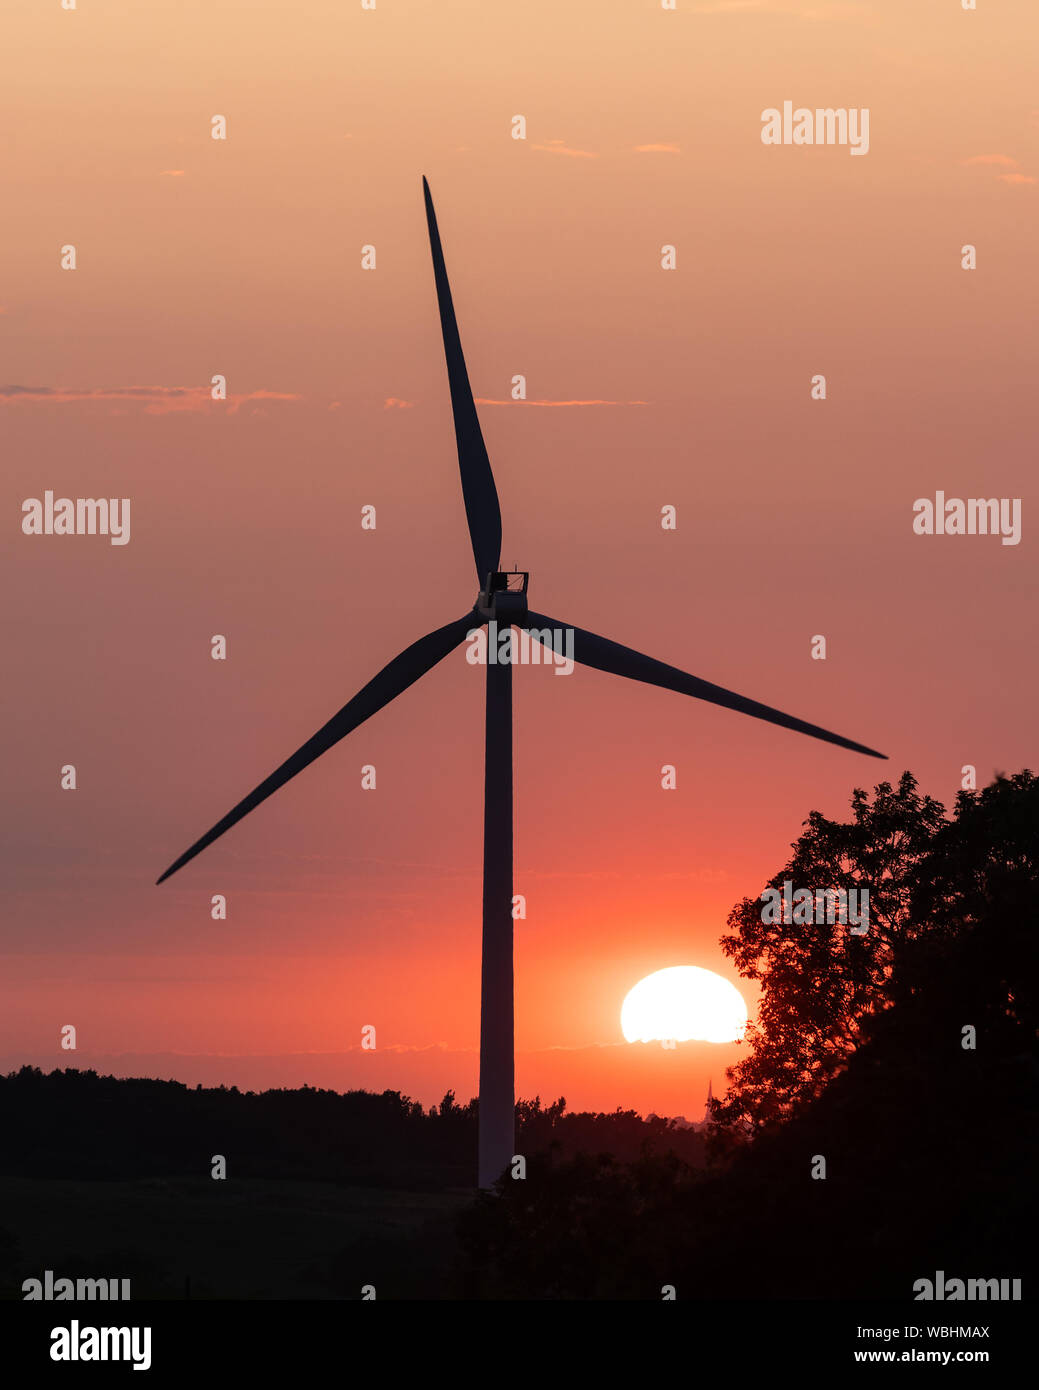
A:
(157, 400)
(162, 400)
(1001, 159)
(93, 393)
(732, 6)
(171, 174)
(658, 149)
(828, 10)
(486, 400)
(557, 147)
(203, 400)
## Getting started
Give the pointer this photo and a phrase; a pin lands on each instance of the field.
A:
(252, 1238)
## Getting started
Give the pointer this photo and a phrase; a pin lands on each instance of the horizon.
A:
(434, 1069)
(461, 1101)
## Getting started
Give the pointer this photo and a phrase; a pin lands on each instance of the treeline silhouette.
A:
(77, 1124)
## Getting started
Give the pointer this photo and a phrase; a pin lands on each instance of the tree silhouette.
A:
(820, 981)
(987, 855)
(929, 1129)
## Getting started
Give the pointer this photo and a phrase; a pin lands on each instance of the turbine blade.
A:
(604, 655)
(478, 491)
(401, 672)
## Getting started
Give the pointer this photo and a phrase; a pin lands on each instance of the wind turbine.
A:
(503, 598)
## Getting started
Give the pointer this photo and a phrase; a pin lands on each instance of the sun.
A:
(683, 1003)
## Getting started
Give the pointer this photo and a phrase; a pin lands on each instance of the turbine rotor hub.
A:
(504, 596)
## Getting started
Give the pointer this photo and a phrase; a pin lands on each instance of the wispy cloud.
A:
(1004, 160)
(156, 400)
(487, 400)
(558, 147)
(172, 174)
(999, 161)
(161, 400)
(826, 11)
(733, 6)
(658, 149)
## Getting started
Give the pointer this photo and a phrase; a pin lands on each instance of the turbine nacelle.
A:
(504, 596)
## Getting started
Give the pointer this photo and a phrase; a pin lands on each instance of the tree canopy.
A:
(927, 876)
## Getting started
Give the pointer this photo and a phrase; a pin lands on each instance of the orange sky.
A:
(242, 257)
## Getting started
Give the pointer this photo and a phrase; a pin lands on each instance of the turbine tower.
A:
(502, 598)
